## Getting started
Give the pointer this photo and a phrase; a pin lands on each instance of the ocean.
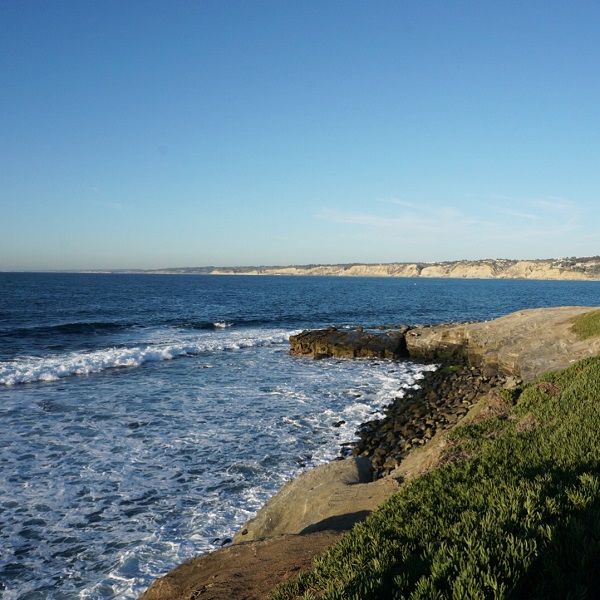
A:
(145, 418)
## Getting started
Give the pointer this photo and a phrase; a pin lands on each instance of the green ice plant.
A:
(587, 325)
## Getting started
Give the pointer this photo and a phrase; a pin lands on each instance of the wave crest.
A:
(52, 368)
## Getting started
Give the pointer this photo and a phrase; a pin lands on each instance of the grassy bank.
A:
(514, 512)
(588, 325)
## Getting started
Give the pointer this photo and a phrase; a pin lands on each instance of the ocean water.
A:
(145, 418)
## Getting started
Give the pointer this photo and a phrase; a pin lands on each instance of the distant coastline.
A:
(587, 268)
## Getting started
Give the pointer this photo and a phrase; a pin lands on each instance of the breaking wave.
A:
(32, 369)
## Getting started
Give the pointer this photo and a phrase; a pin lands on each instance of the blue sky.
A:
(150, 134)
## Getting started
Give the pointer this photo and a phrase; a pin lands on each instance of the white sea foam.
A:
(51, 368)
(129, 477)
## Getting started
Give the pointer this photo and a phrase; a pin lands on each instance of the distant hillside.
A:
(562, 268)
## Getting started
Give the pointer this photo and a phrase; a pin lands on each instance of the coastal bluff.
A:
(310, 512)
(584, 268)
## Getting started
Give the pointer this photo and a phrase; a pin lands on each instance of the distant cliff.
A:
(562, 268)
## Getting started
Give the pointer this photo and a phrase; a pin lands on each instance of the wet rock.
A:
(351, 343)
(445, 396)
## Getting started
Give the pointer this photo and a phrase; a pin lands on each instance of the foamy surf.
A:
(51, 368)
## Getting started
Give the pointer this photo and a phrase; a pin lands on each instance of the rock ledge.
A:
(525, 344)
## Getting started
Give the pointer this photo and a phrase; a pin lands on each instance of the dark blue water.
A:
(56, 309)
(144, 416)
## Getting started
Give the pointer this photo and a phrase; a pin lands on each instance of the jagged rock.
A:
(350, 343)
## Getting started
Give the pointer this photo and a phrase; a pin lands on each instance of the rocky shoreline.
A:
(282, 541)
(443, 398)
(479, 363)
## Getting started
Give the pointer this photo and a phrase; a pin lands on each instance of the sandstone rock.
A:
(479, 269)
(530, 342)
(441, 342)
(332, 496)
(243, 571)
(524, 344)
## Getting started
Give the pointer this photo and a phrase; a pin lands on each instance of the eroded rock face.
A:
(531, 342)
(333, 496)
(439, 342)
(583, 268)
(351, 343)
(527, 343)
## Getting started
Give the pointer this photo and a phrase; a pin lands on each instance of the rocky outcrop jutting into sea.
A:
(526, 343)
(351, 343)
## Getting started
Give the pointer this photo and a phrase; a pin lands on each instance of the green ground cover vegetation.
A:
(588, 325)
(514, 512)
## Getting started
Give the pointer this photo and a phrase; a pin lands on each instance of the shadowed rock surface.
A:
(351, 343)
(332, 496)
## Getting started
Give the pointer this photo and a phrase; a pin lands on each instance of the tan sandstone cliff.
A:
(570, 269)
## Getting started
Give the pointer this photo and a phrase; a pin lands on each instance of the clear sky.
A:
(151, 134)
